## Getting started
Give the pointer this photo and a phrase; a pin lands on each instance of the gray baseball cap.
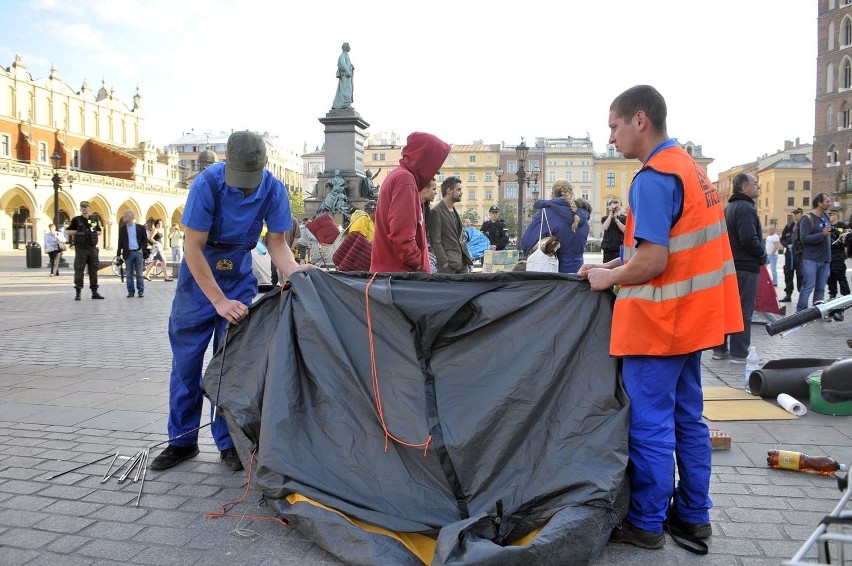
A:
(245, 160)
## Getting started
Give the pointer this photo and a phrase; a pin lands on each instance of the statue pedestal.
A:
(345, 135)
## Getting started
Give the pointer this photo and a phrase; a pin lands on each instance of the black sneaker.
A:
(130, 295)
(629, 534)
(232, 459)
(785, 299)
(697, 530)
(96, 295)
(173, 455)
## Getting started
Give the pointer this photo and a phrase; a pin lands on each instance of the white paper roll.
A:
(791, 405)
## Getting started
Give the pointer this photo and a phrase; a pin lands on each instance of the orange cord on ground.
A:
(223, 512)
(375, 378)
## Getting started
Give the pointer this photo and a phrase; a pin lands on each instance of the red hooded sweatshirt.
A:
(400, 240)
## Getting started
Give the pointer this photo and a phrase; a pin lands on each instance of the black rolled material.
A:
(788, 376)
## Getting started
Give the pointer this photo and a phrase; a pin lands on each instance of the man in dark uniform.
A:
(495, 229)
(84, 232)
(792, 261)
(837, 273)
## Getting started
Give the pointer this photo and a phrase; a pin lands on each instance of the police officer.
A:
(226, 208)
(495, 229)
(84, 232)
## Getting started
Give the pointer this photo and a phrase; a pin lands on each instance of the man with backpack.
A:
(792, 258)
(814, 229)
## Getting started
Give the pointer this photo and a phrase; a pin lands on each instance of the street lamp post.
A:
(57, 184)
(521, 150)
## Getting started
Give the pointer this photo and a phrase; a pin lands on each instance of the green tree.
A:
(297, 203)
(509, 214)
(472, 215)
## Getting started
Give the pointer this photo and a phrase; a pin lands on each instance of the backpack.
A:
(796, 237)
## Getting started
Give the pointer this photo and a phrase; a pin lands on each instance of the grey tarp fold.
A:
(507, 376)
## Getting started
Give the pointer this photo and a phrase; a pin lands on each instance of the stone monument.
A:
(345, 136)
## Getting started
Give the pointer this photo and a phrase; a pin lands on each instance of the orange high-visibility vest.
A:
(695, 301)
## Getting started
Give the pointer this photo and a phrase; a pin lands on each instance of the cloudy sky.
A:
(738, 75)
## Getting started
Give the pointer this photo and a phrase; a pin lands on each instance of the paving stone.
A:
(27, 502)
(64, 524)
(78, 508)
(9, 555)
(160, 555)
(112, 530)
(51, 559)
(110, 549)
(19, 473)
(65, 492)
(124, 513)
(782, 549)
(67, 544)
(20, 517)
(26, 538)
(166, 535)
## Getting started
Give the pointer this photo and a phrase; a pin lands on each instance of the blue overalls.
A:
(193, 320)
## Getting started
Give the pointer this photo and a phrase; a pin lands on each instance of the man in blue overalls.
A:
(225, 211)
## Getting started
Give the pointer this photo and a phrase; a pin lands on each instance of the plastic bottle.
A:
(752, 363)
(786, 460)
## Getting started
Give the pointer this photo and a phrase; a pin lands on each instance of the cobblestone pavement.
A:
(81, 380)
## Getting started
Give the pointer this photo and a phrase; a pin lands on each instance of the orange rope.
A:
(223, 512)
(374, 375)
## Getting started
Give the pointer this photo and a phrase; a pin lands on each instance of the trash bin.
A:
(33, 254)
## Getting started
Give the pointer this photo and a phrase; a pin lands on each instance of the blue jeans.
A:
(133, 265)
(740, 341)
(665, 418)
(772, 260)
(814, 278)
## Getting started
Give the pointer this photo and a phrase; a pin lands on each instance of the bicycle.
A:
(118, 261)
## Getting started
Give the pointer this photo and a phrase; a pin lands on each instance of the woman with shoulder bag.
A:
(567, 220)
(54, 245)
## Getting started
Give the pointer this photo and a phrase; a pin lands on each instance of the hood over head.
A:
(423, 156)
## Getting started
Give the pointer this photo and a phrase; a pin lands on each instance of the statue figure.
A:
(336, 200)
(368, 189)
(345, 70)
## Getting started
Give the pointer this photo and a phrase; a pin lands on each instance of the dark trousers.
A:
(788, 274)
(740, 341)
(837, 277)
(86, 258)
(55, 257)
(610, 255)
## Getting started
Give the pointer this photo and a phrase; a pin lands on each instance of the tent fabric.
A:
(505, 378)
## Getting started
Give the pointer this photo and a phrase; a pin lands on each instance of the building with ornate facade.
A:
(91, 143)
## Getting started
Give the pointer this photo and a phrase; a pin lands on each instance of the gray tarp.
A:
(507, 375)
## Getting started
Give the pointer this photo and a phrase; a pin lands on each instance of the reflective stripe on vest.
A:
(680, 288)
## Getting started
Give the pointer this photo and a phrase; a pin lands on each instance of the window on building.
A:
(42, 152)
(471, 194)
(531, 188)
(440, 177)
(584, 194)
(610, 178)
(378, 157)
(457, 175)
(806, 185)
(471, 176)
(586, 177)
(512, 167)
(489, 177)
(472, 159)
(791, 201)
(847, 31)
(551, 175)
(569, 175)
(511, 190)
(5, 146)
(806, 202)
(75, 159)
(532, 165)
(791, 185)
(847, 74)
(844, 118)
(489, 195)
(611, 151)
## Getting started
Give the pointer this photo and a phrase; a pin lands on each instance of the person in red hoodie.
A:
(400, 236)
